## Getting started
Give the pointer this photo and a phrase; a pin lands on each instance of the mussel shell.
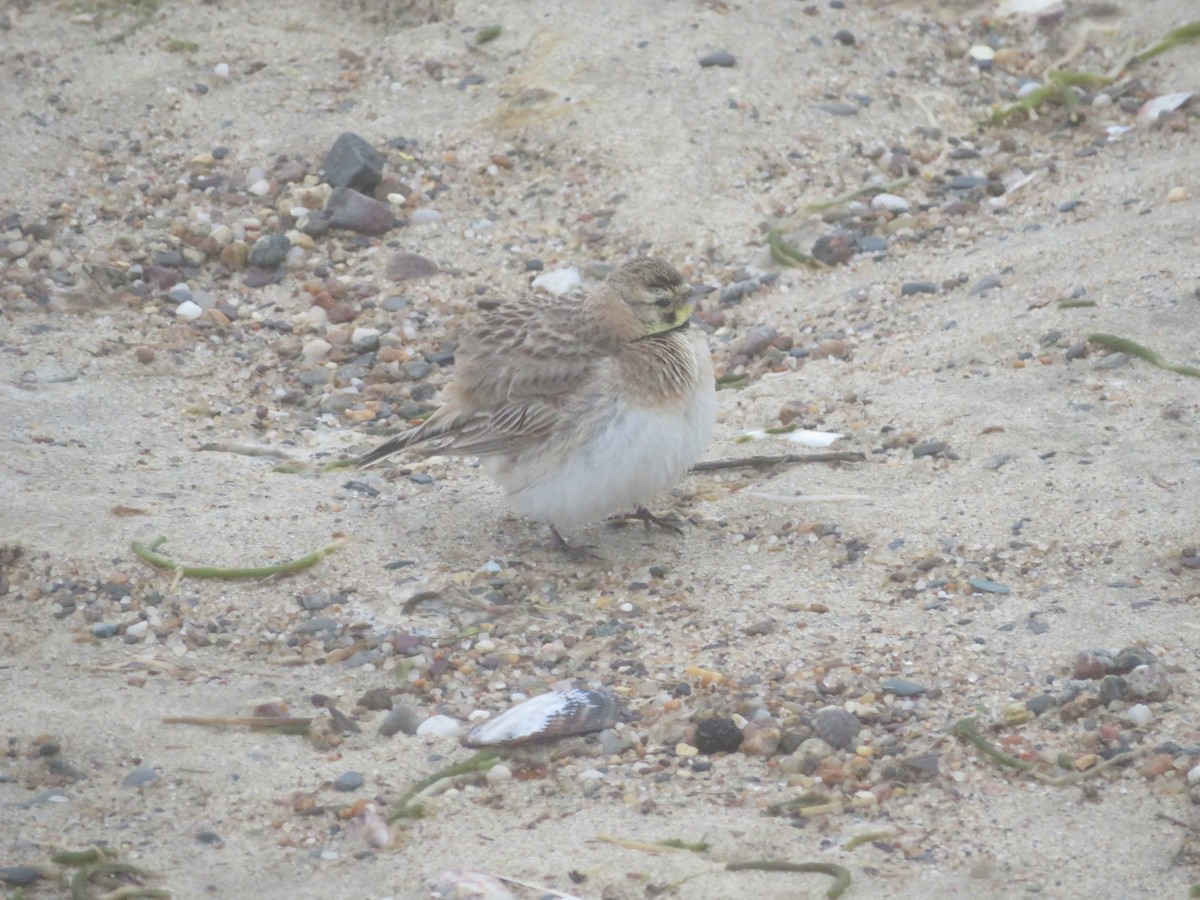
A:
(556, 714)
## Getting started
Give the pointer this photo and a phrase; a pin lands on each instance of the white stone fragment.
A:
(559, 281)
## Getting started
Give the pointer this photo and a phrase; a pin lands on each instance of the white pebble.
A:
(1139, 714)
(559, 282)
(981, 53)
(315, 349)
(1028, 88)
(1193, 775)
(361, 335)
(222, 235)
(189, 310)
(441, 726)
(499, 773)
(295, 258)
(221, 70)
(260, 188)
(890, 202)
(424, 216)
(138, 629)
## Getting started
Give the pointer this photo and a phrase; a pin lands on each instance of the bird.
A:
(580, 408)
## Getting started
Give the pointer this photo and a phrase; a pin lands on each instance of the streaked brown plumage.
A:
(579, 408)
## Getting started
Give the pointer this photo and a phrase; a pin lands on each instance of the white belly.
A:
(639, 452)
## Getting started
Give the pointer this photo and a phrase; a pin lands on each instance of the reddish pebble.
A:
(145, 355)
(342, 312)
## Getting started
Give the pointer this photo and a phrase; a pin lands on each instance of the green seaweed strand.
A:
(840, 874)
(1133, 348)
(146, 553)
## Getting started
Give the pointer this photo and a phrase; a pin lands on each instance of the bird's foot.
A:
(648, 518)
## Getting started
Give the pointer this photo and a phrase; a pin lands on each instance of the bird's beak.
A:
(699, 292)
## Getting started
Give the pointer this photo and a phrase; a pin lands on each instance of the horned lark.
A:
(580, 408)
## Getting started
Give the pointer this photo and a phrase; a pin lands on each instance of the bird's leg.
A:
(648, 518)
(582, 551)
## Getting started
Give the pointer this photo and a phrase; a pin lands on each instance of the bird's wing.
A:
(507, 430)
(531, 350)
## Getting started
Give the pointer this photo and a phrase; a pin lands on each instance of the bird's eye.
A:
(663, 302)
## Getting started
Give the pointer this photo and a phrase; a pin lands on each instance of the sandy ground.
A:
(1073, 482)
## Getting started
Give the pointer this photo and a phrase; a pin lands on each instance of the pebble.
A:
(137, 630)
(376, 699)
(498, 773)
(917, 287)
(901, 687)
(985, 284)
(408, 266)
(844, 37)
(559, 281)
(180, 293)
(441, 726)
(424, 217)
(349, 781)
(966, 182)
(982, 55)
(317, 348)
(19, 876)
(928, 448)
(889, 202)
(353, 211)
(104, 630)
(988, 587)
(838, 109)
(717, 735)
(189, 310)
(401, 720)
(139, 777)
(352, 163)
(836, 727)
(721, 58)
(269, 251)
(761, 738)
(1148, 683)
(1193, 775)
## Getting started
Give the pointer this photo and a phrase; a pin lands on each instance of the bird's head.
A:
(655, 293)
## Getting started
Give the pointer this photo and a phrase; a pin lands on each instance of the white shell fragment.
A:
(800, 436)
(556, 714)
(1156, 106)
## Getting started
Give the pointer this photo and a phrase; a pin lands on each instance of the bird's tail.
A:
(388, 447)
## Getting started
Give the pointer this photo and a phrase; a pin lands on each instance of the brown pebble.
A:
(792, 410)
(1156, 765)
(761, 738)
(145, 355)
(835, 348)
(235, 255)
(342, 312)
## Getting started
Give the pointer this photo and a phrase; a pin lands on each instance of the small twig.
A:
(628, 844)
(242, 450)
(286, 724)
(147, 555)
(786, 459)
(840, 874)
